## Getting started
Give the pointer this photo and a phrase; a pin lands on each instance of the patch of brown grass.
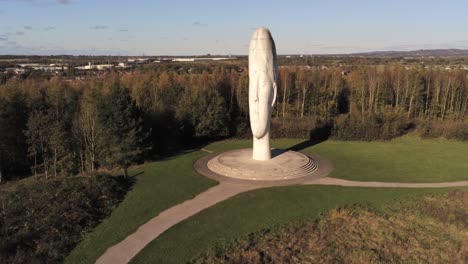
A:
(431, 230)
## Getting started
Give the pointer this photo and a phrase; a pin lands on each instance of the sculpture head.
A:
(263, 70)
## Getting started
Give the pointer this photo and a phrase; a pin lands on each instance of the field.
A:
(165, 183)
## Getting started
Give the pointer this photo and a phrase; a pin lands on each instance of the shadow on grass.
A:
(125, 185)
(137, 174)
(316, 136)
(194, 146)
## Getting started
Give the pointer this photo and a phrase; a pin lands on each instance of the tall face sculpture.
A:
(262, 90)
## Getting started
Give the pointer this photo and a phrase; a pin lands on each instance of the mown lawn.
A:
(160, 185)
(401, 160)
(270, 208)
(166, 183)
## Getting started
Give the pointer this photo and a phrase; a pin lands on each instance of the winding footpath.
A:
(128, 248)
(228, 187)
(347, 183)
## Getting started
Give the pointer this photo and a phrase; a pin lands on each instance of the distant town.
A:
(129, 62)
(78, 67)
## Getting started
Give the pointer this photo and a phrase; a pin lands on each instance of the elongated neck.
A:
(261, 147)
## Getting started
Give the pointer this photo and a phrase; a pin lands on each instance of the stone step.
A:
(304, 170)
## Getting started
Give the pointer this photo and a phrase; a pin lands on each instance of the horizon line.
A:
(230, 54)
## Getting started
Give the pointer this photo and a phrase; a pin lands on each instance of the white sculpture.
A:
(263, 72)
(258, 164)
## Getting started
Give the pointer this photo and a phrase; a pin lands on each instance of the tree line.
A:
(57, 127)
(53, 129)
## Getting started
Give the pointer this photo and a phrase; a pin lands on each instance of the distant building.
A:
(104, 66)
(14, 70)
(43, 67)
(91, 66)
(28, 65)
(183, 59)
(137, 60)
(190, 59)
(50, 68)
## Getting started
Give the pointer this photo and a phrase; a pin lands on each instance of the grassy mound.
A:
(433, 230)
(41, 221)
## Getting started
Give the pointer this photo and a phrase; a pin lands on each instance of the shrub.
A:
(306, 128)
(370, 126)
(42, 220)
(446, 129)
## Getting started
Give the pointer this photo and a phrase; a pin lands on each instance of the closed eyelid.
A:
(256, 90)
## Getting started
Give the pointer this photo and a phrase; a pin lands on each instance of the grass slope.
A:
(429, 230)
(270, 208)
(160, 185)
(402, 160)
(167, 183)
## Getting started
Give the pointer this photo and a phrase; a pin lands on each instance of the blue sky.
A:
(174, 27)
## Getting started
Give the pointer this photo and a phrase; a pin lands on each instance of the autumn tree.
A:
(88, 132)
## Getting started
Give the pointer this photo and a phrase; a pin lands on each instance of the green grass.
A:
(160, 185)
(268, 208)
(402, 160)
(167, 183)
(436, 233)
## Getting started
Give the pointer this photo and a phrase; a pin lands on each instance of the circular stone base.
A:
(283, 165)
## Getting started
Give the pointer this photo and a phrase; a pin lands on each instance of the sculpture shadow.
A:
(316, 136)
(187, 149)
(277, 152)
(137, 174)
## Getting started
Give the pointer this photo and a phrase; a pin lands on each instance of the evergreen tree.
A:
(13, 148)
(122, 123)
(203, 114)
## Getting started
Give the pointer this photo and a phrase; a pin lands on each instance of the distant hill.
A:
(416, 53)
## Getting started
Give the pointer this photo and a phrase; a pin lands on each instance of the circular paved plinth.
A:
(283, 165)
(286, 167)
